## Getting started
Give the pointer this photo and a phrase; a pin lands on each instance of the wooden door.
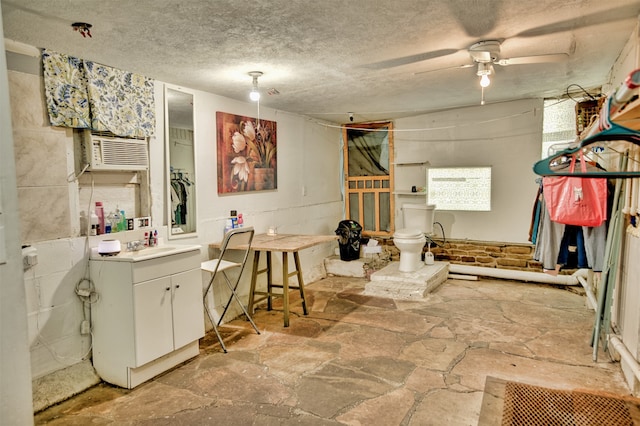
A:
(368, 176)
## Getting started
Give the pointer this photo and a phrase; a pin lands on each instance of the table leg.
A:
(303, 295)
(269, 281)
(285, 287)
(254, 279)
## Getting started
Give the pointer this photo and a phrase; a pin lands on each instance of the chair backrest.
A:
(238, 241)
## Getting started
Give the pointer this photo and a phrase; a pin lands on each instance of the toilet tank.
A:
(419, 216)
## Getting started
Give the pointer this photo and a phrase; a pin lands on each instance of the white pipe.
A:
(624, 353)
(591, 297)
(539, 277)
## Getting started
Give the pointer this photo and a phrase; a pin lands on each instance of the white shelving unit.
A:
(410, 175)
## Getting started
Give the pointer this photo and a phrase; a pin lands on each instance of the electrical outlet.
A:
(29, 257)
(85, 327)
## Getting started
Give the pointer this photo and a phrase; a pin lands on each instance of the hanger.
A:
(179, 175)
(606, 132)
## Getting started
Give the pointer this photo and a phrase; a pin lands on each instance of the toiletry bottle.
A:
(234, 219)
(122, 226)
(100, 214)
(240, 220)
(94, 223)
(115, 220)
(108, 224)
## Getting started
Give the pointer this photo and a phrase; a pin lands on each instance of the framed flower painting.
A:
(246, 149)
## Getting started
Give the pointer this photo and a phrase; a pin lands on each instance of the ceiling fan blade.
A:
(405, 60)
(456, 67)
(535, 59)
(612, 15)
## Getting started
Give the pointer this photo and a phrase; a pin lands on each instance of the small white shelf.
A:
(411, 163)
(415, 194)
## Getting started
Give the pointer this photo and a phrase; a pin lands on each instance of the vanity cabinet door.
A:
(152, 319)
(188, 311)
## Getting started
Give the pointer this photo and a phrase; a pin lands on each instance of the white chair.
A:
(234, 252)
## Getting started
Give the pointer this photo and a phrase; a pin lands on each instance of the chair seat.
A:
(210, 265)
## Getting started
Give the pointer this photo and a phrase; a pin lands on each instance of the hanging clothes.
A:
(180, 184)
(558, 245)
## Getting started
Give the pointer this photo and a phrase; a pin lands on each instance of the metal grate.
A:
(533, 405)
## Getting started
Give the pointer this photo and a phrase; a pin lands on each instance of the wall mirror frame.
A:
(180, 163)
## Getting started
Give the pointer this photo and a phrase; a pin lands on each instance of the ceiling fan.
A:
(485, 54)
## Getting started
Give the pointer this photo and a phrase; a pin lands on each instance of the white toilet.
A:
(418, 221)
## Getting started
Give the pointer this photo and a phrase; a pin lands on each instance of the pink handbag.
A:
(576, 200)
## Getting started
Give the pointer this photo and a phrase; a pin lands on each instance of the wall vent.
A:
(104, 153)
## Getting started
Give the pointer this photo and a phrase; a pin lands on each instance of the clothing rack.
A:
(614, 135)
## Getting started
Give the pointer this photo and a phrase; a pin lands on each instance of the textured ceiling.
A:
(377, 59)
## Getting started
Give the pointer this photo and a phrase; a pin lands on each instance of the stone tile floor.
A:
(361, 360)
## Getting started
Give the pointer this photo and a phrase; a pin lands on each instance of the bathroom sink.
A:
(152, 250)
(150, 253)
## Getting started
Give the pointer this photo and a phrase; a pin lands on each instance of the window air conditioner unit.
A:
(104, 153)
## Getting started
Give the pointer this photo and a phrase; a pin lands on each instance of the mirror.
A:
(180, 160)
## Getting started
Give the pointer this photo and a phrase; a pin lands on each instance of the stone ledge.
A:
(390, 282)
(353, 268)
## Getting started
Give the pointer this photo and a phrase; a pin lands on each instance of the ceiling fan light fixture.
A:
(484, 70)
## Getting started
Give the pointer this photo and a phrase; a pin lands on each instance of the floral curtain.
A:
(83, 94)
(65, 86)
(121, 102)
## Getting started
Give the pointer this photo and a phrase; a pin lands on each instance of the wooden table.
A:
(285, 244)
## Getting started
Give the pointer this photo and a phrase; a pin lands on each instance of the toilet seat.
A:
(408, 233)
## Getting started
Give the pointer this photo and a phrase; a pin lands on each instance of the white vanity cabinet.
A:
(148, 316)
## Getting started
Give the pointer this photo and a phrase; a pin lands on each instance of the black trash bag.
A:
(349, 232)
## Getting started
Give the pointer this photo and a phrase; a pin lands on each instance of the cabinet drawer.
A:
(166, 265)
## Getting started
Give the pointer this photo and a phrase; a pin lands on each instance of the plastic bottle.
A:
(240, 220)
(122, 226)
(228, 225)
(100, 214)
(108, 224)
(94, 223)
(234, 219)
(115, 221)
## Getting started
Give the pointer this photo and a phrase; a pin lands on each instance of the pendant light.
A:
(254, 95)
